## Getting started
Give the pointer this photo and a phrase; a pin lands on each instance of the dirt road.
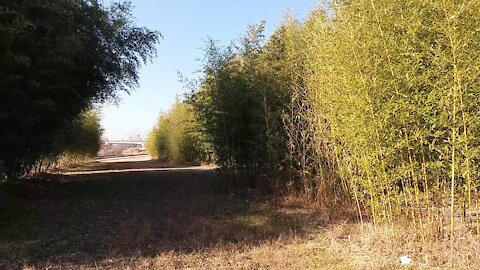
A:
(132, 158)
(140, 213)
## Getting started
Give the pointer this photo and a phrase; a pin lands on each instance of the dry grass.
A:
(379, 247)
(179, 219)
(277, 255)
(339, 246)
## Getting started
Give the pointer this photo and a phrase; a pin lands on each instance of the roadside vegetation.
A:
(80, 146)
(60, 58)
(177, 137)
(366, 105)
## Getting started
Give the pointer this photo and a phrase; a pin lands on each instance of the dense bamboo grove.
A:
(371, 103)
(177, 138)
(60, 58)
(394, 92)
(81, 144)
(240, 106)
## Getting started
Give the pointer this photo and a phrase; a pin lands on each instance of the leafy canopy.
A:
(57, 58)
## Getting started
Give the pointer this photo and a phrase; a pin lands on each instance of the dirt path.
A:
(149, 215)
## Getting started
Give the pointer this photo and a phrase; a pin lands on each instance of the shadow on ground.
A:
(86, 219)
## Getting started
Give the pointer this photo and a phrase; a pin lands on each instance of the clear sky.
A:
(185, 24)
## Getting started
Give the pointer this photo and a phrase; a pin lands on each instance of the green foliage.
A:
(241, 99)
(177, 138)
(389, 93)
(85, 143)
(157, 140)
(80, 144)
(57, 58)
(374, 100)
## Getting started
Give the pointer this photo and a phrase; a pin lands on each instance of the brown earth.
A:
(135, 213)
(139, 213)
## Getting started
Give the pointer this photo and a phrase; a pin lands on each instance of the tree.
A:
(58, 57)
(85, 142)
(240, 103)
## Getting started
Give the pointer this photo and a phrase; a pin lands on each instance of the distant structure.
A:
(124, 143)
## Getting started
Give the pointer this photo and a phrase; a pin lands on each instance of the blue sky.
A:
(185, 24)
